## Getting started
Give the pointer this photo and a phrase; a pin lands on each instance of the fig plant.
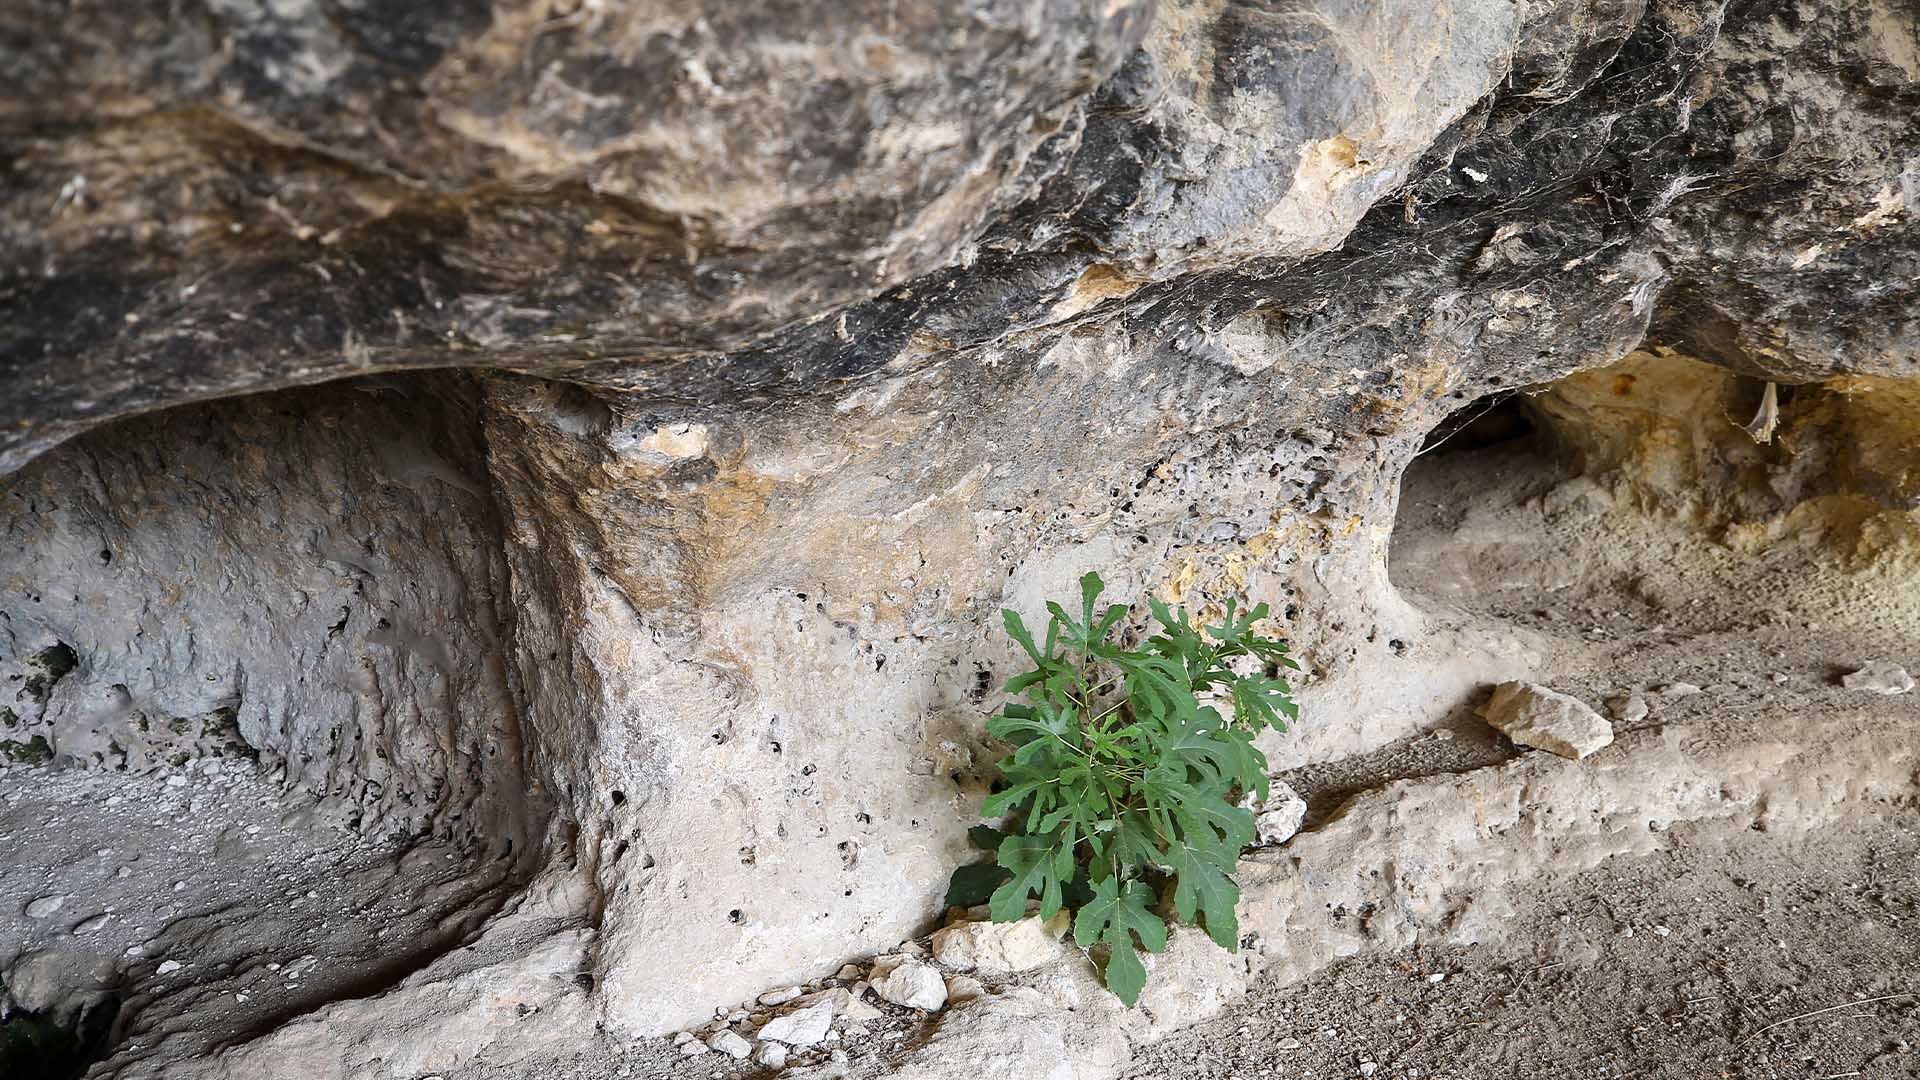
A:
(1120, 797)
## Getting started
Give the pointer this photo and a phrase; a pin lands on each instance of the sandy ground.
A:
(1731, 953)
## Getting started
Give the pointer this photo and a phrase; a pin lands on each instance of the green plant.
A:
(1120, 794)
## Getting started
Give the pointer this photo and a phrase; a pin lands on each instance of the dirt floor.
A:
(1732, 955)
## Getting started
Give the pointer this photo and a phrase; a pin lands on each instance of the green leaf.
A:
(1201, 885)
(1117, 917)
(1017, 630)
(974, 883)
(1125, 975)
(1090, 589)
(985, 837)
(1259, 701)
(1000, 802)
(1029, 860)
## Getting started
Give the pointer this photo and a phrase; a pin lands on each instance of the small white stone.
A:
(693, 1048)
(1437, 977)
(801, 1027)
(1679, 690)
(1628, 710)
(682, 1038)
(731, 1044)
(45, 906)
(908, 982)
(88, 926)
(779, 997)
(964, 988)
(167, 967)
(176, 780)
(1879, 677)
(1289, 1044)
(1000, 948)
(771, 1055)
(1368, 1068)
(1662, 931)
(851, 973)
(1278, 818)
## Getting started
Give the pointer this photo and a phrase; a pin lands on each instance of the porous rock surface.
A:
(796, 339)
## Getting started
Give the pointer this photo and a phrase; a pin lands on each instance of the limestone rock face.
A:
(796, 339)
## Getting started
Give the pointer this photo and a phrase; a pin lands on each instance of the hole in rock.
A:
(56, 1043)
(1489, 421)
(1662, 524)
(249, 761)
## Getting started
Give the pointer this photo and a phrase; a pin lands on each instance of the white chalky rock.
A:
(1533, 715)
(1280, 815)
(779, 997)
(906, 981)
(167, 967)
(1000, 948)
(771, 1055)
(45, 906)
(729, 1042)
(1879, 677)
(964, 988)
(1630, 709)
(802, 1027)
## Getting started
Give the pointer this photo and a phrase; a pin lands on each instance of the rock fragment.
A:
(45, 906)
(802, 1027)
(1628, 708)
(908, 982)
(1879, 677)
(1280, 815)
(771, 1055)
(1532, 715)
(964, 988)
(728, 1042)
(1000, 948)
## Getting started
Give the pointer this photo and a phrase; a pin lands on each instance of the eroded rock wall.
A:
(315, 581)
(818, 332)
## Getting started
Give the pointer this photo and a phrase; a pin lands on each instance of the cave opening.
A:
(1499, 417)
(53, 1043)
(298, 778)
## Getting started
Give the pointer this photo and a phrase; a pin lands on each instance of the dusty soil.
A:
(1713, 959)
